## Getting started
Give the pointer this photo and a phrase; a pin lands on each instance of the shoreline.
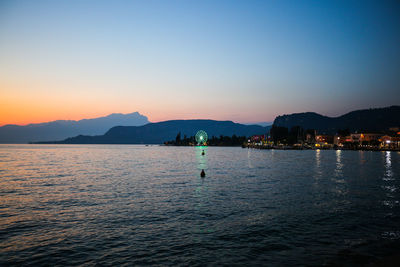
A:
(318, 148)
(261, 147)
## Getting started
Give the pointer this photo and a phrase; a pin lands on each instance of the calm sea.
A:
(127, 204)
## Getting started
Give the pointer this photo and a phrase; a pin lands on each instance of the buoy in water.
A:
(202, 153)
(202, 174)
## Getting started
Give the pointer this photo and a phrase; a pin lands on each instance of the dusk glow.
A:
(197, 133)
(251, 60)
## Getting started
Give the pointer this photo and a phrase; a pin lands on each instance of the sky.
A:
(245, 61)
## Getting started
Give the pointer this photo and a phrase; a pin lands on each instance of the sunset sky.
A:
(246, 61)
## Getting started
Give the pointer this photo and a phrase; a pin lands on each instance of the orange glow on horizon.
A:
(21, 110)
(30, 114)
(41, 109)
(19, 106)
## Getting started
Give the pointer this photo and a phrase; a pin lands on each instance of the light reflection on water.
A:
(73, 205)
(388, 166)
(318, 170)
(339, 164)
(390, 186)
(250, 165)
(201, 158)
(340, 183)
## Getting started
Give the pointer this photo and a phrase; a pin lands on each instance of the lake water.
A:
(127, 204)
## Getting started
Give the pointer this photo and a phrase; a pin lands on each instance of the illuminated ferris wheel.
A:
(201, 137)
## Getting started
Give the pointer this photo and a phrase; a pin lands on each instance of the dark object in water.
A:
(202, 153)
(202, 174)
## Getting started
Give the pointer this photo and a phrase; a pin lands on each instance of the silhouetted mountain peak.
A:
(373, 120)
(61, 129)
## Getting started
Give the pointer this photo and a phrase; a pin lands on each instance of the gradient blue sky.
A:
(245, 61)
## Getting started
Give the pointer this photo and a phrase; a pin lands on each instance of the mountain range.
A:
(135, 128)
(61, 129)
(367, 120)
(158, 133)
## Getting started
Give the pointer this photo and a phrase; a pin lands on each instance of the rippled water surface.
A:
(113, 205)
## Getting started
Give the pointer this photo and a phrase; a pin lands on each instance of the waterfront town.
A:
(297, 138)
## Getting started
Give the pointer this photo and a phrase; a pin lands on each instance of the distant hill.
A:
(61, 129)
(368, 120)
(158, 133)
(262, 123)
